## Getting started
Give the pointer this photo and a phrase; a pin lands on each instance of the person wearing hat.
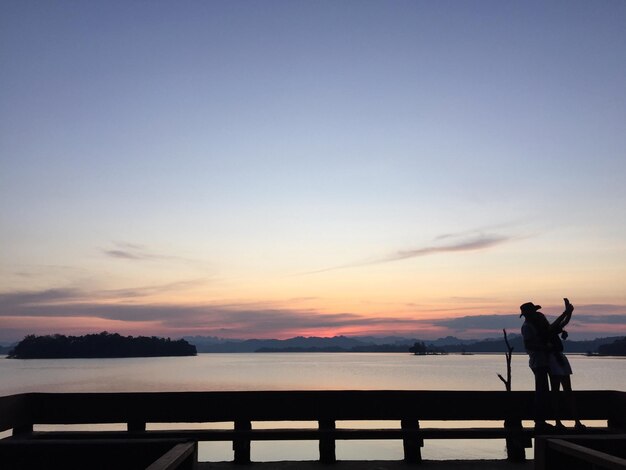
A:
(546, 358)
(536, 334)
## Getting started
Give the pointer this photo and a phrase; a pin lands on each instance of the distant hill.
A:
(589, 346)
(616, 348)
(300, 343)
(377, 344)
(360, 348)
(516, 341)
(103, 345)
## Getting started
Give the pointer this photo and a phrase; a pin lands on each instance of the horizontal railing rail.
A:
(194, 407)
(414, 410)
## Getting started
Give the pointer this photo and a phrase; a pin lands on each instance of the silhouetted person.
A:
(536, 334)
(559, 367)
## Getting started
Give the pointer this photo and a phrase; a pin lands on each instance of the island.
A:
(419, 348)
(102, 345)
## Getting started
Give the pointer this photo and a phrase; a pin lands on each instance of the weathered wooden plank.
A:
(586, 454)
(49, 408)
(260, 406)
(176, 457)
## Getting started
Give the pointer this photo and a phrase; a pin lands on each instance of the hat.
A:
(528, 307)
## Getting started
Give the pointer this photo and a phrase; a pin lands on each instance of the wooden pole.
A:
(509, 353)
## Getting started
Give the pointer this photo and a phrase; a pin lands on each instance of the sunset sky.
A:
(279, 168)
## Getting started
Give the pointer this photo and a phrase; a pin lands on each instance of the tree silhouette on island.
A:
(102, 345)
(419, 348)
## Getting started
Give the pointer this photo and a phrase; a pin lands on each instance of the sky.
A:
(271, 169)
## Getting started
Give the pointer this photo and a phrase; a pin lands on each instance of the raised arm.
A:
(557, 325)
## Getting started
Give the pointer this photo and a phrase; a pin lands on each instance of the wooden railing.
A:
(414, 410)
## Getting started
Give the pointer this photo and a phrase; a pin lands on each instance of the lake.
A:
(305, 371)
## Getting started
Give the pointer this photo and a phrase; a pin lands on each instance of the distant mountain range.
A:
(209, 344)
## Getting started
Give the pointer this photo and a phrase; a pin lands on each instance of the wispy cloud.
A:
(143, 291)
(475, 242)
(480, 243)
(232, 319)
(492, 228)
(13, 302)
(74, 307)
(122, 254)
(46, 299)
(131, 251)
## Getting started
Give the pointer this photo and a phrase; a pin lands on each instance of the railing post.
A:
(541, 453)
(515, 440)
(412, 443)
(23, 430)
(616, 423)
(241, 445)
(617, 411)
(327, 444)
(136, 426)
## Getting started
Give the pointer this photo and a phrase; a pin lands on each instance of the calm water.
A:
(305, 371)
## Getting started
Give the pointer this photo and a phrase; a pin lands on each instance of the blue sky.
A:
(396, 162)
